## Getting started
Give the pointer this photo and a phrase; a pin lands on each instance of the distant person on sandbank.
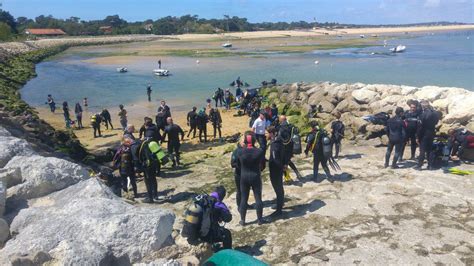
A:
(107, 118)
(78, 112)
(67, 118)
(148, 92)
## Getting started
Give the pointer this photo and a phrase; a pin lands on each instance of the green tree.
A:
(8, 19)
(5, 32)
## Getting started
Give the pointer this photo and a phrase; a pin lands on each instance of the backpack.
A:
(198, 217)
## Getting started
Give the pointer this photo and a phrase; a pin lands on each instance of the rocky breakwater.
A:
(353, 101)
(53, 211)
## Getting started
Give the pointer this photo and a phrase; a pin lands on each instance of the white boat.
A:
(362, 36)
(161, 72)
(122, 69)
(227, 45)
(400, 48)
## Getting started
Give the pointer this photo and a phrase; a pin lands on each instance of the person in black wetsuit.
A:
(426, 133)
(107, 118)
(411, 121)
(234, 162)
(173, 131)
(286, 129)
(458, 141)
(279, 159)
(252, 162)
(337, 134)
(396, 135)
(150, 164)
(192, 122)
(67, 118)
(162, 114)
(148, 92)
(314, 144)
(202, 120)
(216, 121)
(149, 131)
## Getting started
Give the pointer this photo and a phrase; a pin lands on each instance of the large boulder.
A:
(11, 176)
(408, 90)
(365, 95)
(3, 196)
(348, 105)
(430, 93)
(86, 224)
(43, 175)
(4, 232)
(11, 146)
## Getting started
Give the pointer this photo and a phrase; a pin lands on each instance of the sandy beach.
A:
(231, 125)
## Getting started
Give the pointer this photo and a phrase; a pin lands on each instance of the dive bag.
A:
(197, 221)
(156, 149)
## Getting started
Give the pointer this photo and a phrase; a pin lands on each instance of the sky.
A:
(342, 11)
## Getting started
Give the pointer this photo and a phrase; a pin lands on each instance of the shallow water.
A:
(442, 59)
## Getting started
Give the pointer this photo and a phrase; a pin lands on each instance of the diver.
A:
(123, 117)
(337, 133)
(192, 121)
(107, 119)
(426, 133)
(173, 131)
(202, 120)
(395, 130)
(319, 143)
(278, 162)
(148, 92)
(95, 123)
(216, 120)
(51, 103)
(412, 122)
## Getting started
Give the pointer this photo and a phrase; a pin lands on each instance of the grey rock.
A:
(86, 224)
(11, 176)
(43, 175)
(4, 231)
(3, 195)
(11, 146)
(365, 95)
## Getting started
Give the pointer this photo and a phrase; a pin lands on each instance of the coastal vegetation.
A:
(15, 71)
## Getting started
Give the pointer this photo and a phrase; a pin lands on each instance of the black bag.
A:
(198, 218)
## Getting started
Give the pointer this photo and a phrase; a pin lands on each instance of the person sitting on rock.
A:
(459, 140)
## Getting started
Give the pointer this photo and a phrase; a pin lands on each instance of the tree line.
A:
(11, 28)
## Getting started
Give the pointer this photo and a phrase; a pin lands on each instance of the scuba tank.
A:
(445, 156)
(327, 147)
(93, 119)
(295, 137)
(192, 222)
(158, 152)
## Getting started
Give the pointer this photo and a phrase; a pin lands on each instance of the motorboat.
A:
(400, 48)
(122, 69)
(161, 72)
(227, 45)
(362, 36)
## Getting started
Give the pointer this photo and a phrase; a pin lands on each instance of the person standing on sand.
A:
(259, 126)
(67, 118)
(216, 120)
(202, 120)
(122, 117)
(148, 92)
(107, 118)
(51, 103)
(337, 133)
(162, 114)
(192, 121)
(78, 112)
(412, 121)
(95, 123)
(173, 131)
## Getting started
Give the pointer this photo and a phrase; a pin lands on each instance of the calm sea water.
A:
(442, 59)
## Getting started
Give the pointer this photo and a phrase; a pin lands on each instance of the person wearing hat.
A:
(259, 127)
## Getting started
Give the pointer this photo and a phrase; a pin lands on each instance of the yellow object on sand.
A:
(286, 176)
(456, 171)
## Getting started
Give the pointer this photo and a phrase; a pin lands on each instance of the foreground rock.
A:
(87, 224)
(43, 175)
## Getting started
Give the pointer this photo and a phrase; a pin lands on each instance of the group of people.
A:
(417, 126)
(67, 117)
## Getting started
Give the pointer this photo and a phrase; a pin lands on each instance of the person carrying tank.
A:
(288, 131)
(107, 118)
(202, 120)
(96, 119)
(252, 162)
(411, 120)
(216, 120)
(123, 161)
(51, 103)
(316, 142)
(337, 133)
(203, 220)
(149, 163)
(426, 133)
(173, 131)
(395, 130)
(192, 121)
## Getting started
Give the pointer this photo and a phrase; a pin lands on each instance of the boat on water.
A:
(362, 36)
(161, 72)
(227, 45)
(122, 69)
(400, 48)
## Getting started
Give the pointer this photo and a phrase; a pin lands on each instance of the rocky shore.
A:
(353, 101)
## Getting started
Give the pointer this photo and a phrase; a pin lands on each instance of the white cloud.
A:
(432, 3)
